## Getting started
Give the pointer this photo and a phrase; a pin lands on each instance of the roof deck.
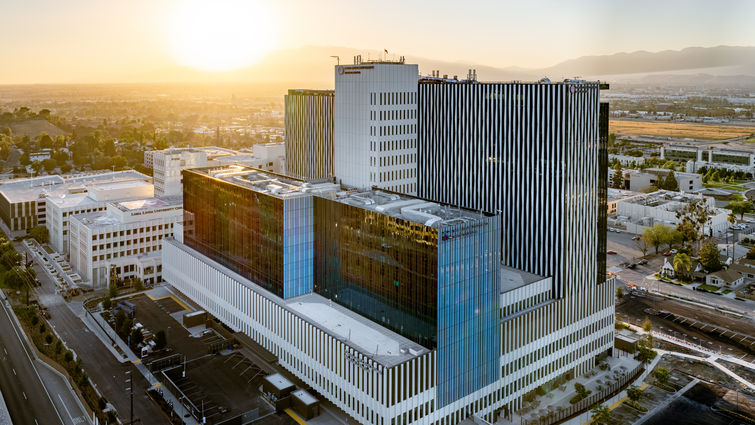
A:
(431, 214)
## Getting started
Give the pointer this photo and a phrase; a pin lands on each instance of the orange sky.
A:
(106, 41)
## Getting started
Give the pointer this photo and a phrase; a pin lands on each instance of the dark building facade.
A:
(309, 133)
(528, 151)
(258, 235)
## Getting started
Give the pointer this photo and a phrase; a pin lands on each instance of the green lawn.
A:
(727, 186)
(709, 288)
(727, 291)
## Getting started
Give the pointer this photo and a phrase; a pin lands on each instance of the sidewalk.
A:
(129, 356)
(711, 357)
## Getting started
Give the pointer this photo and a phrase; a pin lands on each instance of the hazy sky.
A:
(107, 40)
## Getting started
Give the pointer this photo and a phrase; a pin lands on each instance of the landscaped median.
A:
(53, 350)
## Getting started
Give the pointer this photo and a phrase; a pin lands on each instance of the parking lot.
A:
(221, 382)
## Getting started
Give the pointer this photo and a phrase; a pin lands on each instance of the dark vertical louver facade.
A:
(602, 191)
(309, 133)
(526, 151)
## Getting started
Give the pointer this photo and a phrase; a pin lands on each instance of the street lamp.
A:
(131, 390)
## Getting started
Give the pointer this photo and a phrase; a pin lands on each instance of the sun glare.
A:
(221, 35)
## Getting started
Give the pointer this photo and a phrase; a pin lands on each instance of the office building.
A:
(637, 213)
(125, 239)
(86, 199)
(394, 308)
(23, 202)
(309, 133)
(167, 164)
(375, 125)
(643, 180)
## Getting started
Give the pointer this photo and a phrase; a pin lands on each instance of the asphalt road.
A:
(106, 373)
(26, 397)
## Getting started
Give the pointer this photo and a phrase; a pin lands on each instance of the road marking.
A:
(25, 397)
(64, 406)
(35, 421)
(295, 417)
(26, 349)
(6, 351)
(14, 372)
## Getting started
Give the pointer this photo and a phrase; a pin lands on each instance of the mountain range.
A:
(312, 67)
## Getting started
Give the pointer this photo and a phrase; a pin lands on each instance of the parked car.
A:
(673, 251)
(632, 266)
(667, 253)
(611, 252)
(635, 238)
(643, 262)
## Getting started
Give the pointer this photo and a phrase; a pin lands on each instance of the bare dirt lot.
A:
(695, 131)
(634, 309)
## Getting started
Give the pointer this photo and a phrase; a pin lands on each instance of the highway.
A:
(26, 397)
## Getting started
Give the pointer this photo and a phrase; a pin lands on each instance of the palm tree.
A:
(682, 264)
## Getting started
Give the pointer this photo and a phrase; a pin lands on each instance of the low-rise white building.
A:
(616, 195)
(87, 199)
(126, 238)
(642, 180)
(646, 210)
(167, 164)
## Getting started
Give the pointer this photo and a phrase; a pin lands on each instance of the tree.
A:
(751, 254)
(601, 415)
(106, 303)
(634, 393)
(657, 235)
(647, 325)
(645, 352)
(50, 164)
(58, 347)
(709, 257)
(48, 339)
(137, 284)
(19, 276)
(740, 207)
(113, 291)
(44, 140)
(693, 218)
(11, 258)
(670, 183)
(682, 265)
(581, 390)
(617, 180)
(68, 356)
(662, 375)
(40, 234)
(119, 161)
(136, 337)
(120, 319)
(161, 340)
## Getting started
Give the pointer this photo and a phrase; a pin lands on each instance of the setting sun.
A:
(221, 35)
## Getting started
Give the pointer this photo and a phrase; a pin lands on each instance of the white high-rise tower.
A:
(375, 125)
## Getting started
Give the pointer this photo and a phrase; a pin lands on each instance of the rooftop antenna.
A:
(338, 59)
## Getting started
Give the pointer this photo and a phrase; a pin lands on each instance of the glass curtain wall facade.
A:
(382, 267)
(237, 227)
(468, 308)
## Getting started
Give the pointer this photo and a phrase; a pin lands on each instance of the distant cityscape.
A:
(401, 248)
